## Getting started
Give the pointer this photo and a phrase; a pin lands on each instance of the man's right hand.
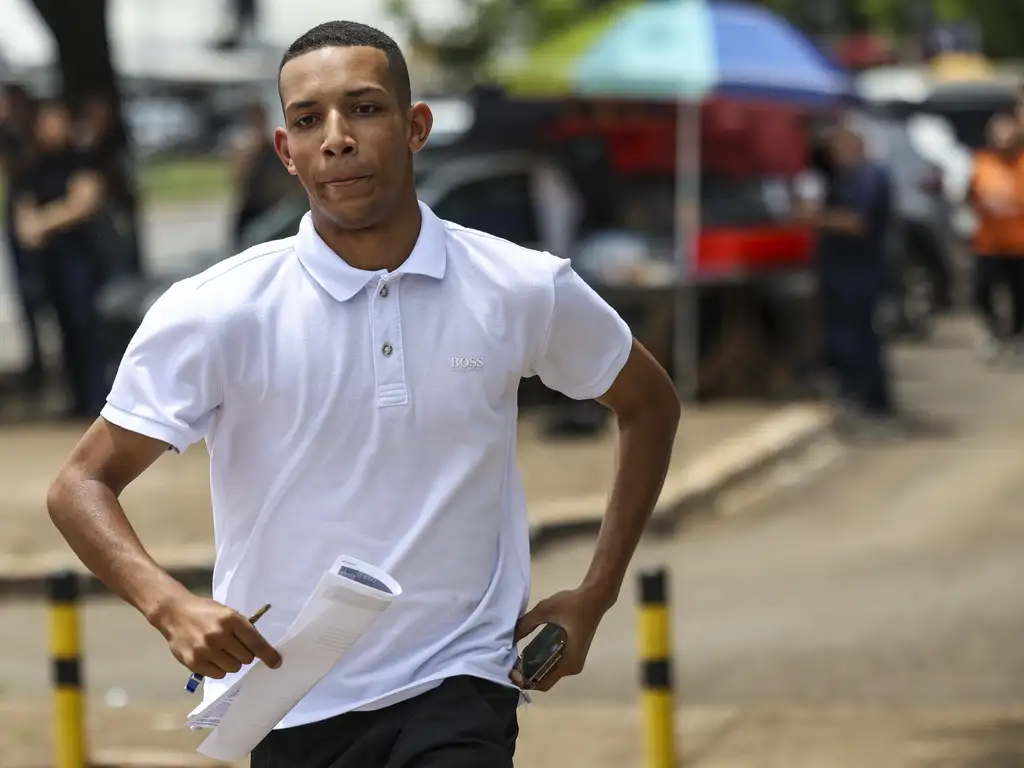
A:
(212, 639)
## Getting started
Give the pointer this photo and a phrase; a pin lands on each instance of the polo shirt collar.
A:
(343, 281)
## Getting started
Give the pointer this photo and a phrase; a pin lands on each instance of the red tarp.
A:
(738, 139)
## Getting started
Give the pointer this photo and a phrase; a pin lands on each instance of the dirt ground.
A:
(170, 504)
(562, 737)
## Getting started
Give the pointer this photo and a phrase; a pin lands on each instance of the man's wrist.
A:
(601, 590)
(160, 602)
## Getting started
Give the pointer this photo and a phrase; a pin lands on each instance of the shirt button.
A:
(387, 349)
(384, 290)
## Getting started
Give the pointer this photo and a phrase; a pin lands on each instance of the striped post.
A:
(69, 712)
(656, 671)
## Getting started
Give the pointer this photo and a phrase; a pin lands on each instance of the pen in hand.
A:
(196, 678)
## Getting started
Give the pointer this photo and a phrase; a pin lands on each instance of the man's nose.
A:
(338, 139)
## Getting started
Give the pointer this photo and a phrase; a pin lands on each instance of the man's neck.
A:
(385, 246)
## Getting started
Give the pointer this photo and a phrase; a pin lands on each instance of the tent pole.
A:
(686, 346)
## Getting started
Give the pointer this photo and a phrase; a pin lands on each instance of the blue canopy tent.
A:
(684, 51)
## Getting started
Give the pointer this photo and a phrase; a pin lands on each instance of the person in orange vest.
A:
(997, 197)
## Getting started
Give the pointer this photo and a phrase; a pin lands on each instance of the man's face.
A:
(347, 135)
(53, 127)
(846, 148)
(1003, 134)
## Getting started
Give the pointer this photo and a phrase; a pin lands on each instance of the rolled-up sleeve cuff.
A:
(178, 439)
(603, 383)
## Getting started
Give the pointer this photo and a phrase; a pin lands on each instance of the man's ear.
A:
(281, 147)
(421, 121)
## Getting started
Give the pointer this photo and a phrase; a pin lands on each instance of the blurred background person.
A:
(61, 196)
(854, 225)
(107, 150)
(243, 26)
(997, 198)
(260, 178)
(17, 120)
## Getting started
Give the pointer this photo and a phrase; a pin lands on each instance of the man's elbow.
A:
(667, 405)
(56, 497)
(63, 490)
(659, 405)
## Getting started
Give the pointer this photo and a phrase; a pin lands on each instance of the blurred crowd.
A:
(68, 218)
(996, 195)
(70, 212)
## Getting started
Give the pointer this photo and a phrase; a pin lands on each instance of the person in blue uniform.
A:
(853, 226)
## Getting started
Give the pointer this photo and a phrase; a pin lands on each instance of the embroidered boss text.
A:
(467, 363)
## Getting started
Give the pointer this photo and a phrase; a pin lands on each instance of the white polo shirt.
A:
(371, 414)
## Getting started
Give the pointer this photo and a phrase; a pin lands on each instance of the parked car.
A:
(501, 193)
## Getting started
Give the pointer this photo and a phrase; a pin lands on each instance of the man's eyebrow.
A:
(353, 93)
(300, 105)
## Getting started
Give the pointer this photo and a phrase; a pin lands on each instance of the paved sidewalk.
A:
(604, 736)
(566, 481)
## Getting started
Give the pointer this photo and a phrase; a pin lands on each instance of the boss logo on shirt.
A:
(467, 363)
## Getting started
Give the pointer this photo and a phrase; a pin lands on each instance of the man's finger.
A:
(233, 646)
(516, 675)
(528, 622)
(548, 681)
(223, 660)
(258, 645)
(207, 669)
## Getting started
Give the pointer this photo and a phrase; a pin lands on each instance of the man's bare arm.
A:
(842, 220)
(203, 635)
(647, 410)
(84, 198)
(83, 504)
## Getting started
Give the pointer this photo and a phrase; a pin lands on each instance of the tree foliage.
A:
(999, 21)
(486, 25)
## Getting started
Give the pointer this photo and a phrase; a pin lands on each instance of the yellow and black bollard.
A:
(656, 672)
(69, 711)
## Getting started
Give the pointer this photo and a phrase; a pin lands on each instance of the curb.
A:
(151, 758)
(690, 488)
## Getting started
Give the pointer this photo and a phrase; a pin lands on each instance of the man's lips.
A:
(348, 181)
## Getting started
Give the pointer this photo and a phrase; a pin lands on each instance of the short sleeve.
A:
(586, 342)
(169, 382)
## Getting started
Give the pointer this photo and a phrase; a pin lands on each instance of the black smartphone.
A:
(542, 653)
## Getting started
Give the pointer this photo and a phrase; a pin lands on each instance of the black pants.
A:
(993, 271)
(850, 294)
(73, 277)
(29, 281)
(463, 723)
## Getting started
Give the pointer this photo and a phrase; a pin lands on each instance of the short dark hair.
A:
(345, 34)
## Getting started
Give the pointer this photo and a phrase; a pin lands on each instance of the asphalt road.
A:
(891, 579)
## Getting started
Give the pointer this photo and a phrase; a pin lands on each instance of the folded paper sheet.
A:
(342, 607)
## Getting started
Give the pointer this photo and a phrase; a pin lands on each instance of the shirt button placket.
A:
(389, 367)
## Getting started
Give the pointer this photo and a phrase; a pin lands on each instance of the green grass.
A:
(193, 180)
(185, 181)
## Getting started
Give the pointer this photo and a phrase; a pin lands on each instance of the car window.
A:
(968, 123)
(280, 221)
(499, 205)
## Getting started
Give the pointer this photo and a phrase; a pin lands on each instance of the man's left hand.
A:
(576, 611)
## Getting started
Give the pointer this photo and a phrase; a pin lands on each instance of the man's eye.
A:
(305, 121)
(367, 109)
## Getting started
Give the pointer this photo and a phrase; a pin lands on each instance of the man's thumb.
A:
(529, 621)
